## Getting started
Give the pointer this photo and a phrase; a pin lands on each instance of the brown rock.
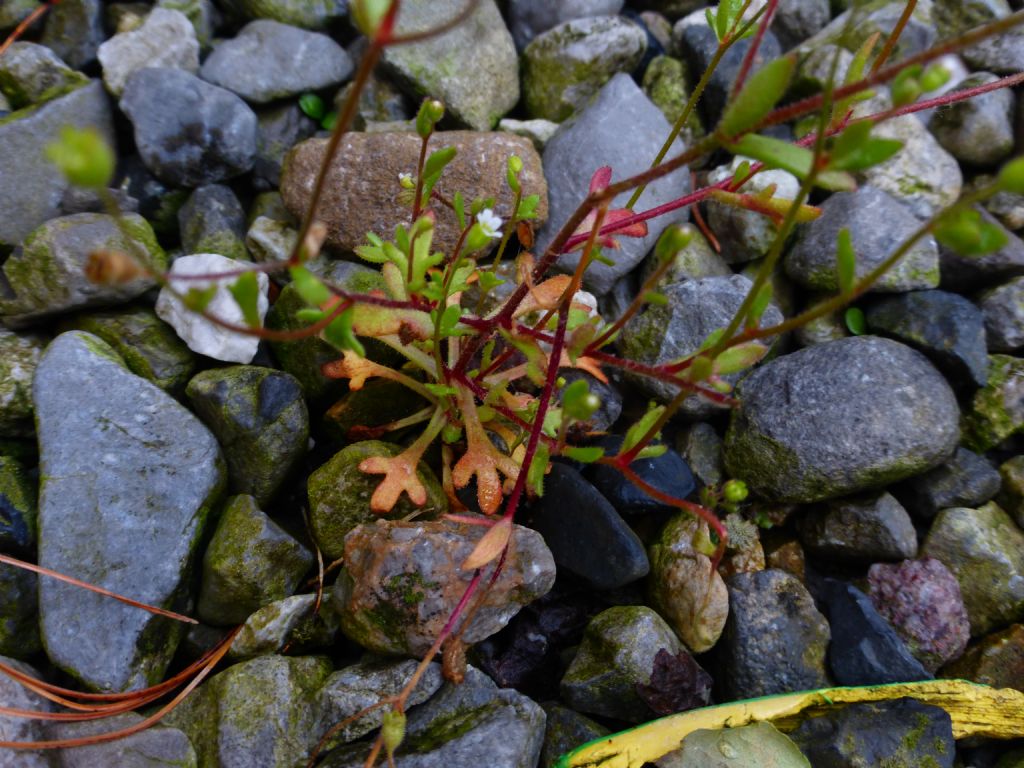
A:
(361, 194)
(996, 660)
(403, 580)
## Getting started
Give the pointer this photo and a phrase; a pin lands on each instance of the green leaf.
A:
(460, 209)
(538, 466)
(652, 451)
(528, 207)
(488, 280)
(83, 156)
(310, 287)
(440, 390)
(449, 319)
(854, 318)
(312, 105)
(759, 95)
(340, 335)
(759, 305)
(712, 339)
(636, 432)
(578, 401)
(674, 239)
(656, 298)
(775, 153)
(1011, 176)
(934, 77)
(739, 358)
(963, 230)
(309, 315)
(583, 454)
(865, 153)
(330, 121)
(198, 299)
(905, 87)
(430, 112)
(846, 261)
(368, 14)
(438, 159)
(700, 369)
(246, 291)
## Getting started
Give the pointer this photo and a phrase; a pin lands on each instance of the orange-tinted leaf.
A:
(490, 545)
(399, 475)
(544, 296)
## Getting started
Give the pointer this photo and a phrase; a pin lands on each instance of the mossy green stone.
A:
(997, 410)
(985, 551)
(19, 615)
(19, 354)
(18, 507)
(13, 11)
(565, 730)
(308, 14)
(259, 712)
(378, 402)
(149, 346)
(33, 74)
(339, 495)
(249, 563)
(666, 83)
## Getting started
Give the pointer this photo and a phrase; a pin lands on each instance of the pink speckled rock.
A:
(922, 601)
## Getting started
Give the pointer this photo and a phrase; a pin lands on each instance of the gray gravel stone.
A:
(978, 131)
(279, 129)
(529, 18)
(797, 20)
(564, 67)
(268, 60)
(19, 355)
(1003, 308)
(14, 694)
(838, 418)
(213, 221)
(189, 132)
(290, 623)
(670, 331)
(617, 653)
(156, 746)
(621, 124)
(945, 326)
(473, 68)
(166, 39)
(775, 640)
(474, 723)
(864, 529)
(308, 14)
(46, 274)
(128, 481)
(812, 259)
(31, 187)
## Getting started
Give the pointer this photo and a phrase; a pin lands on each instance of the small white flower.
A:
(490, 223)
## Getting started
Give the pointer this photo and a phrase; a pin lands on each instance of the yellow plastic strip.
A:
(976, 710)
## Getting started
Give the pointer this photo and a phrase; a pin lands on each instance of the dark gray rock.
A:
(861, 529)
(31, 187)
(166, 39)
(250, 562)
(410, 574)
(946, 327)
(667, 473)
(585, 533)
(903, 732)
(473, 68)
(797, 20)
(616, 654)
(19, 611)
(149, 346)
(921, 600)
(978, 131)
(964, 273)
(775, 639)
(964, 480)
(698, 44)
(839, 418)
(671, 331)
(32, 74)
(700, 445)
(213, 221)
(126, 459)
(268, 60)
(1011, 492)
(279, 129)
(565, 66)
(566, 730)
(19, 355)
(308, 14)
(474, 723)
(865, 649)
(291, 623)
(46, 274)
(621, 123)
(529, 18)
(187, 131)
(260, 419)
(1003, 308)
(812, 259)
(258, 714)
(204, 17)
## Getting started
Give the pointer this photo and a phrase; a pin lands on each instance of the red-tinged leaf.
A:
(601, 179)
(490, 546)
(399, 476)
(637, 229)
(375, 321)
(677, 684)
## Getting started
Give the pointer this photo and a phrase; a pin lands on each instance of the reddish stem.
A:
(748, 59)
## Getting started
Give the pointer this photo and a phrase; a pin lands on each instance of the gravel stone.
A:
(166, 39)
